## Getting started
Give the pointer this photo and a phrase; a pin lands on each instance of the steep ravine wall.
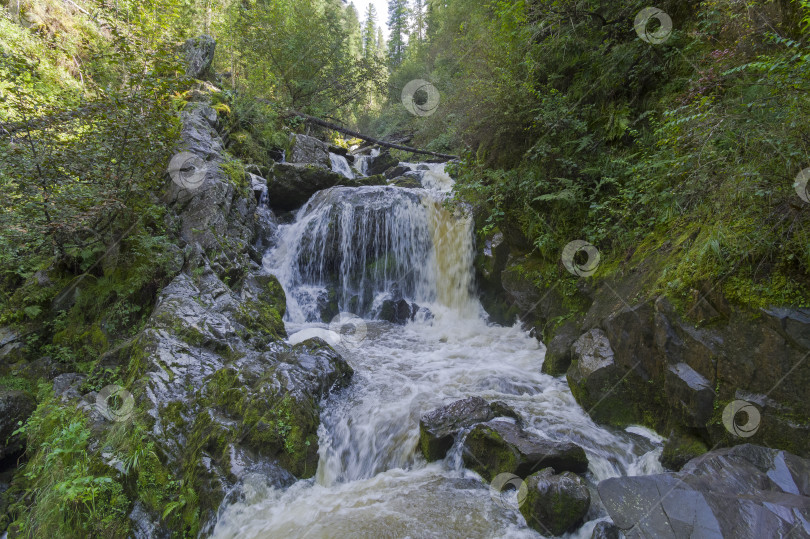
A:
(632, 356)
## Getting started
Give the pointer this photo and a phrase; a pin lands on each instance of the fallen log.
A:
(355, 134)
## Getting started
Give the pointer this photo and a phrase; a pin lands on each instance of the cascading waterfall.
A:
(348, 250)
(352, 248)
(341, 165)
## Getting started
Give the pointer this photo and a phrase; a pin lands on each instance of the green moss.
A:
(492, 455)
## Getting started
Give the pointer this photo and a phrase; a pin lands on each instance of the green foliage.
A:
(312, 63)
(572, 127)
(70, 492)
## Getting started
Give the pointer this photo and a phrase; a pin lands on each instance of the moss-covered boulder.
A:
(410, 182)
(555, 504)
(501, 446)
(680, 448)
(439, 428)
(361, 181)
(291, 184)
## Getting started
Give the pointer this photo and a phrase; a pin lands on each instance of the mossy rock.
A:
(680, 449)
(555, 504)
(499, 446)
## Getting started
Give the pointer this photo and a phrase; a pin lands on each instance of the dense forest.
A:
(612, 157)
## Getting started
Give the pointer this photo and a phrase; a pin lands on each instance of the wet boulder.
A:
(409, 182)
(292, 184)
(396, 172)
(311, 151)
(555, 504)
(381, 163)
(500, 446)
(398, 312)
(362, 181)
(15, 408)
(744, 491)
(438, 429)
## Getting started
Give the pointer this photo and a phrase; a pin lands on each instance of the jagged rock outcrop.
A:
(745, 491)
(199, 53)
(670, 368)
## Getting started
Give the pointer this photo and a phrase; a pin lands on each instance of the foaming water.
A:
(371, 479)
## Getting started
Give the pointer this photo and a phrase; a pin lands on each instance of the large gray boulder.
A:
(309, 150)
(15, 408)
(747, 491)
(199, 53)
(555, 504)
(500, 446)
(291, 185)
(438, 428)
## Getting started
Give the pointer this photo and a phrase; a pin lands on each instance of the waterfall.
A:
(341, 165)
(350, 249)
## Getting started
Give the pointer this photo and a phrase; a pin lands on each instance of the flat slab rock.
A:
(747, 491)
(500, 446)
(438, 428)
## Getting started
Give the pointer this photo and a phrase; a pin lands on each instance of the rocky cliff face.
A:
(633, 357)
(223, 394)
